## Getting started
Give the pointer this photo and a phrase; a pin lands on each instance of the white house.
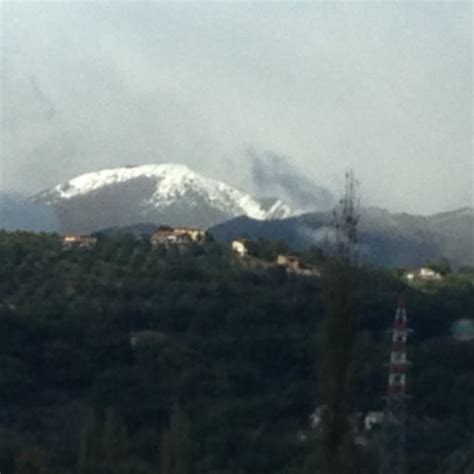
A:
(79, 241)
(372, 419)
(424, 274)
(177, 235)
(240, 248)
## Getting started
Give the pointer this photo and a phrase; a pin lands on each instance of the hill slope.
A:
(130, 330)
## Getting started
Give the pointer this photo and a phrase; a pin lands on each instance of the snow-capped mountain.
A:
(165, 194)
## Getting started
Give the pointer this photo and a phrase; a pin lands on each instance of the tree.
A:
(338, 338)
(176, 444)
(441, 265)
(346, 221)
(115, 440)
(31, 461)
(461, 461)
(88, 454)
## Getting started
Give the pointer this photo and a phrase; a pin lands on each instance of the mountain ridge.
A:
(168, 193)
(388, 239)
(173, 194)
(17, 212)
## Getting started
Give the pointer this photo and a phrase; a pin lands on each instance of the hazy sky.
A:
(385, 88)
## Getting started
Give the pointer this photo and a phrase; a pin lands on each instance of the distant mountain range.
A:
(166, 193)
(122, 199)
(18, 212)
(385, 238)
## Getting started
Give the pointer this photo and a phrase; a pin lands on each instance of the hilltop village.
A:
(182, 238)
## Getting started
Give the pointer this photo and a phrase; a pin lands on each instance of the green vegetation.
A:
(223, 372)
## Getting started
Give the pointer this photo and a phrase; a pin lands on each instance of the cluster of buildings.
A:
(163, 235)
(184, 236)
(166, 235)
(362, 425)
(424, 274)
(71, 241)
(291, 263)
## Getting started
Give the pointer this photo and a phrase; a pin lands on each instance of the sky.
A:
(381, 87)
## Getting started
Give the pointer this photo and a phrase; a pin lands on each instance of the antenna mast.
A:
(393, 455)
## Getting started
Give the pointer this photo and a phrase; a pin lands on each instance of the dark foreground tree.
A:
(461, 461)
(335, 453)
(115, 440)
(176, 444)
(88, 452)
(31, 461)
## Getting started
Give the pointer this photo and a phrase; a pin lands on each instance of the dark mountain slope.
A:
(16, 213)
(385, 238)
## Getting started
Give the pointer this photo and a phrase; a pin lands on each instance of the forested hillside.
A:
(131, 359)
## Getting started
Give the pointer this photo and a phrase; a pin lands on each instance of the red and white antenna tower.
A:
(394, 425)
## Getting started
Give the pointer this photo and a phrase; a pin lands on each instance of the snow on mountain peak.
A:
(171, 183)
(91, 181)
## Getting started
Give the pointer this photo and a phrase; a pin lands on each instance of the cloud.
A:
(384, 88)
(276, 175)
